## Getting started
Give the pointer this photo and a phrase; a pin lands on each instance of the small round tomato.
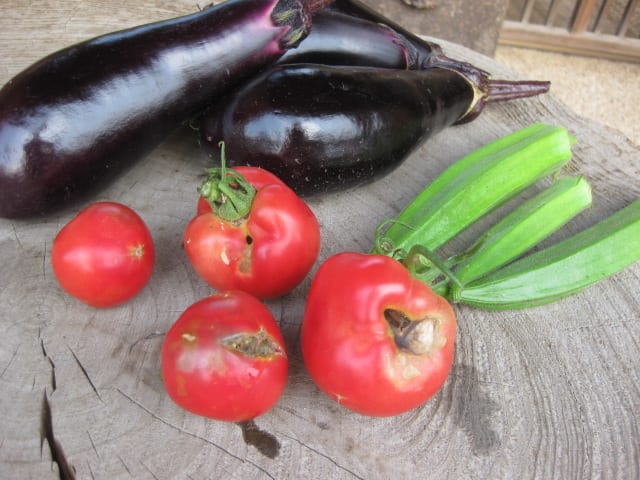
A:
(267, 250)
(373, 338)
(104, 256)
(225, 358)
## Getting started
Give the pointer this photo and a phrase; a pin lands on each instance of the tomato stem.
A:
(227, 191)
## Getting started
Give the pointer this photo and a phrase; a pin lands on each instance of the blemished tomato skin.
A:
(349, 348)
(104, 256)
(267, 254)
(204, 375)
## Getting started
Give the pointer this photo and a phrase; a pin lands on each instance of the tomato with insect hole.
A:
(266, 252)
(225, 358)
(373, 338)
(104, 256)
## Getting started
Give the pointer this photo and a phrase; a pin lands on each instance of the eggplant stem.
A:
(504, 90)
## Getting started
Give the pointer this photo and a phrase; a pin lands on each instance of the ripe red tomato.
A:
(104, 256)
(266, 253)
(373, 338)
(225, 358)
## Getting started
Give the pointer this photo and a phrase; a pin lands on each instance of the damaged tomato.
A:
(256, 234)
(375, 339)
(225, 358)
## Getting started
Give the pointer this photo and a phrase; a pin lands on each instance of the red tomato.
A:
(267, 253)
(373, 338)
(256, 176)
(225, 358)
(104, 256)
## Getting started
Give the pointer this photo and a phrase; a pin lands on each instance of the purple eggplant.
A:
(357, 9)
(78, 117)
(420, 47)
(324, 128)
(341, 39)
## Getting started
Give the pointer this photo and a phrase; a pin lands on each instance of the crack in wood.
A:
(324, 455)
(15, 353)
(85, 373)
(145, 338)
(90, 470)
(126, 467)
(66, 471)
(51, 364)
(198, 437)
(93, 445)
(149, 470)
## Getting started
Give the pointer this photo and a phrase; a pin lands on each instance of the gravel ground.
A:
(602, 90)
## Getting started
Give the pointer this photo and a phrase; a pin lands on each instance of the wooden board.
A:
(550, 392)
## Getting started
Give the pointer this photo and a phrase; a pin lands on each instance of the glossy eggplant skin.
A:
(341, 39)
(423, 48)
(357, 9)
(324, 128)
(76, 118)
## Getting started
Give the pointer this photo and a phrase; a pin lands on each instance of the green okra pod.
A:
(562, 269)
(525, 227)
(474, 186)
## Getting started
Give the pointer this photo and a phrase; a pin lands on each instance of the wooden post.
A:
(583, 15)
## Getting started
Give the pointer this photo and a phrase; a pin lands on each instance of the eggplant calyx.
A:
(295, 14)
(488, 90)
(417, 337)
(227, 191)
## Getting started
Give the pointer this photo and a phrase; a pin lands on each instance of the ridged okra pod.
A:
(474, 186)
(523, 228)
(562, 269)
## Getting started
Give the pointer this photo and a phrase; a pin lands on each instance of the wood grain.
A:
(550, 392)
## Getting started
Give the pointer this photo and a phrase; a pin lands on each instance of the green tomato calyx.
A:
(229, 193)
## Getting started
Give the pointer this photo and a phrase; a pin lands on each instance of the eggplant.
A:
(420, 46)
(80, 116)
(341, 39)
(353, 36)
(323, 128)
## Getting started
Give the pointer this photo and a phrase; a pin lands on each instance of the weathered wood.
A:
(551, 392)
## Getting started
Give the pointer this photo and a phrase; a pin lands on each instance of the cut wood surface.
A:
(548, 392)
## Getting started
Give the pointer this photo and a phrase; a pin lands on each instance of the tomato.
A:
(256, 176)
(104, 256)
(373, 338)
(225, 358)
(266, 252)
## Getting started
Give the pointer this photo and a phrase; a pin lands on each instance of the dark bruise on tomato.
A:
(373, 338)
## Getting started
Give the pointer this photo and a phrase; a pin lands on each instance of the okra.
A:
(474, 186)
(525, 227)
(562, 269)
